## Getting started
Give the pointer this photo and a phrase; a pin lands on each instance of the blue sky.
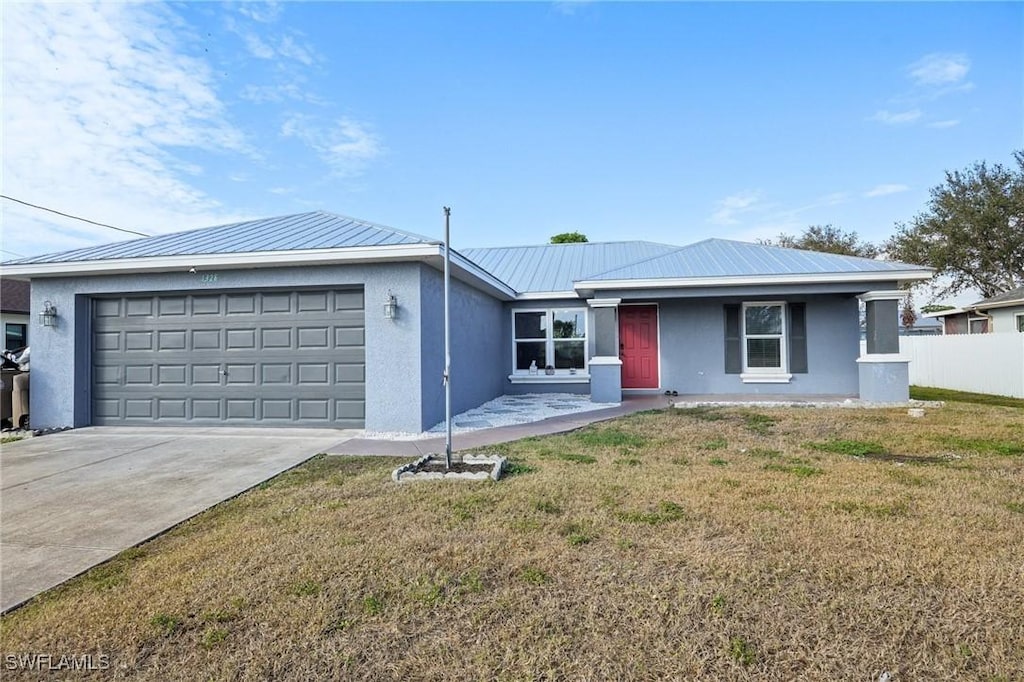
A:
(669, 122)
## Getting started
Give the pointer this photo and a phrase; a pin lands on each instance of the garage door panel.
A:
(106, 408)
(107, 308)
(171, 408)
(139, 307)
(276, 303)
(276, 409)
(314, 410)
(240, 339)
(346, 373)
(171, 306)
(206, 374)
(276, 338)
(206, 409)
(241, 408)
(348, 336)
(349, 300)
(277, 357)
(205, 339)
(312, 302)
(312, 337)
(240, 374)
(138, 408)
(206, 305)
(106, 341)
(170, 340)
(138, 340)
(241, 304)
(138, 375)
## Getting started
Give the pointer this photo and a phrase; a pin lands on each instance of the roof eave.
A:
(355, 254)
(391, 253)
(1001, 304)
(900, 276)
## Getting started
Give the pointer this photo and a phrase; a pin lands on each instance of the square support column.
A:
(605, 365)
(883, 373)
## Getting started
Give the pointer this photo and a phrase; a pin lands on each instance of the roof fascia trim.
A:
(740, 280)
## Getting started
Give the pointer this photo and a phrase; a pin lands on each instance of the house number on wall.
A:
(208, 277)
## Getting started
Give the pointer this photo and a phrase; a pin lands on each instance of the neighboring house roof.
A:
(723, 258)
(1006, 299)
(15, 296)
(316, 230)
(542, 271)
(555, 267)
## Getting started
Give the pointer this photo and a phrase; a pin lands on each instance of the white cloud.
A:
(262, 44)
(280, 92)
(289, 47)
(734, 205)
(98, 99)
(263, 12)
(346, 145)
(949, 123)
(938, 69)
(569, 7)
(896, 117)
(885, 190)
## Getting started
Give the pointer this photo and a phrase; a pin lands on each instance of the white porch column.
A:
(605, 365)
(883, 372)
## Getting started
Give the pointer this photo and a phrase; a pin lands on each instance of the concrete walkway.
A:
(71, 500)
(501, 434)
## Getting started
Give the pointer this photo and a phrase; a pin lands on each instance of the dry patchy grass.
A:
(678, 544)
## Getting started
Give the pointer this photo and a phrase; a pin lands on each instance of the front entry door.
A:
(638, 345)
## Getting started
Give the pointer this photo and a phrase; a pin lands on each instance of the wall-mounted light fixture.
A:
(48, 315)
(390, 307)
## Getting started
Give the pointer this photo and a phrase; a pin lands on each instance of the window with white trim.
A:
(555, 337)
(1019, 317)
(764, 338)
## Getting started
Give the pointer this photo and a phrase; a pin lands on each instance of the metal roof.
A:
(726, 258)
(554, 267)
(316, 230)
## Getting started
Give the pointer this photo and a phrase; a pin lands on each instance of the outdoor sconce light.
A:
(48, 316)
(390, 307)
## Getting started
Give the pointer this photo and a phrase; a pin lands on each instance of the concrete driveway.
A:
(73, 499)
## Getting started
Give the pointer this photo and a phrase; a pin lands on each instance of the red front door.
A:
(638, 345)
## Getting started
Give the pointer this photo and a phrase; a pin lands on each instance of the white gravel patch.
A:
(508, 410)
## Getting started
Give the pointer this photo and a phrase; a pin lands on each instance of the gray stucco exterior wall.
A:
(692, 337)
(477, 345)
(1004, 320)
(61, 380)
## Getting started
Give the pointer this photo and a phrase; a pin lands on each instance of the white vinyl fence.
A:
(980, 363)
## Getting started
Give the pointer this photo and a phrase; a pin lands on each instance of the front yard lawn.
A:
(702, 543)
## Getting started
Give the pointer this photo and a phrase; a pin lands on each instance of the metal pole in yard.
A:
(447, 343)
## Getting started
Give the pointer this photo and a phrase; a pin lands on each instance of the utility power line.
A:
(73, 217)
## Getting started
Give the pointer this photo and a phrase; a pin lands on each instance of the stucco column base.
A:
(605, 379)
(884, 378)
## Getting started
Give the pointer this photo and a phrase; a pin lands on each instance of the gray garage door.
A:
(271, 358)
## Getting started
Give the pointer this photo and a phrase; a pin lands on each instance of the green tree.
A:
(935, 308)
(972, 231)
(569, 238)
(827, 239)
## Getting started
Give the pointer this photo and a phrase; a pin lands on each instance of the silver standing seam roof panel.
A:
(316, 230)
(555, 267)
(726, 258)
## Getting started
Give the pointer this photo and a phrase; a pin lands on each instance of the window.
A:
(14, 336)
(1020, 322)
(556, 337)
(978, 325)
(764, 338)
